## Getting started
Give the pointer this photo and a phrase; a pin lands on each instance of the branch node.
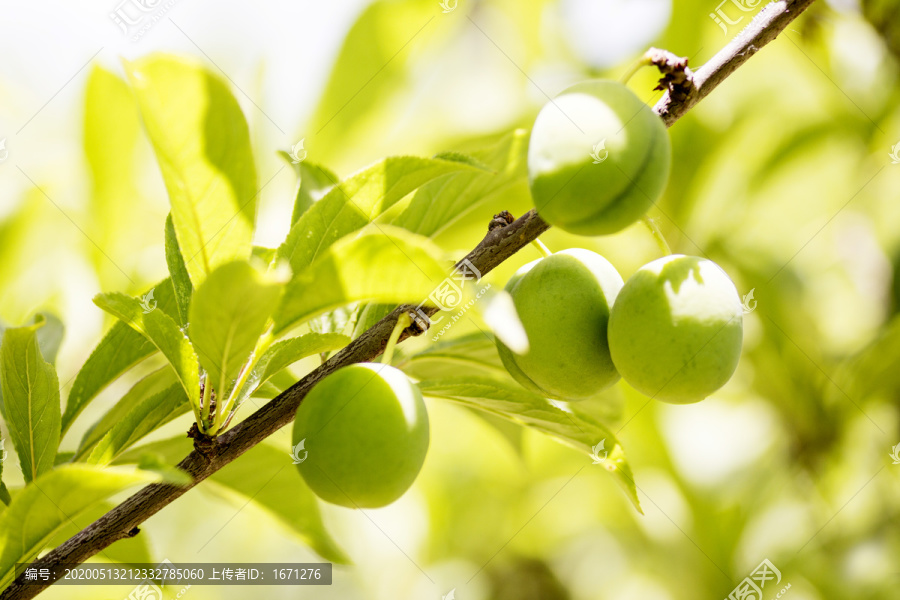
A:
(204, 444)
(677, 78)
(501, 219)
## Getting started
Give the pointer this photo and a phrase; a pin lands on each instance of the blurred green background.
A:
(783, 177)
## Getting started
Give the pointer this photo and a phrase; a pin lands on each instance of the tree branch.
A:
(684, 90)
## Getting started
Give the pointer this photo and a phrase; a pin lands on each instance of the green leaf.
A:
(181, 281)
(49, 335)
(202, 145)
(436, 206)
(356, 202)
(162, 331)
(474, 353)
(38, 512)
(287, 352)
(120, 349)
(565, 422)
(152, 384)
(144, 418)
(267, 476)
(30, 400)
(382, 264)
(315, 181)
(228, 315)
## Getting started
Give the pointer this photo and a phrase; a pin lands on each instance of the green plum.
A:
(676, 329)
(564, 303)
(598, 158)
(365, 430)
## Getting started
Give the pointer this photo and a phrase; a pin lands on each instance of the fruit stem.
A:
(402, 323)
(544, 250)
(657, 235)
(644, 61)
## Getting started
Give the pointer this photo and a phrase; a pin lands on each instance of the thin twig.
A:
(503, 240)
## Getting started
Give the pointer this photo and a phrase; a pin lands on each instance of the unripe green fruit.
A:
(366, 433)
(676, 329)
(607, 119)
(564, 301)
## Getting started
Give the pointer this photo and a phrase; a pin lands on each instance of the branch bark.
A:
(684, 90)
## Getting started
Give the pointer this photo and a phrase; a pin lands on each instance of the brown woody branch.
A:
(505, 238)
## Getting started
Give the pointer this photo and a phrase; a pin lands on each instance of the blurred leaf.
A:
(563, 421)
(436, 206)
(152, 384)
(873, 370)
(265, 255)
(382, 264)
(338, 320)
(474, 353)
(315, 181)
(369, 315)
(181, 281)
(31, 405)
(143, 418)
(155, 463)
(266, 476)
(228, 315)
(111, 133)
(203, 148)
(160, 329)
(369, 69)
(884, 15)
(38, 512)
(357, 201)
(120, 349)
